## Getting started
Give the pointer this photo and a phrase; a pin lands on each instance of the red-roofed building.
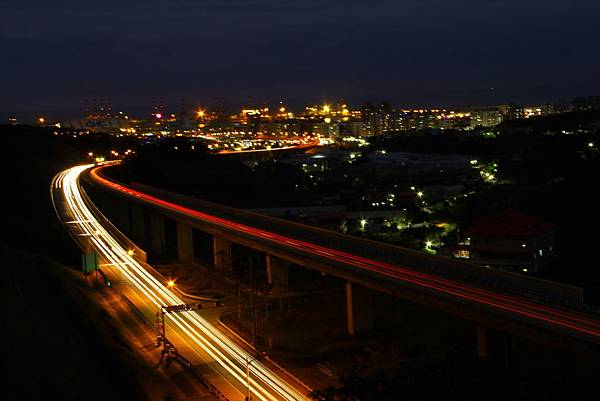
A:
(508, 240)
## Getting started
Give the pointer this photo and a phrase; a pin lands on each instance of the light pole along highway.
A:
(208, 345)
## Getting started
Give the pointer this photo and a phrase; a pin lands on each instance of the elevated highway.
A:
(542, 311)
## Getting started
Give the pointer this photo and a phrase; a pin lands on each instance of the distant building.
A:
(508, 240)
(98, 124)
(586, 103)
(378, 120)
(532, 111)
(416, 164)
(486, 117)
(418, 119)
(326, 130)
(352, 129)
(512, 111)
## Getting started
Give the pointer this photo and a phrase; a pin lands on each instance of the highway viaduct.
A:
(541, 311)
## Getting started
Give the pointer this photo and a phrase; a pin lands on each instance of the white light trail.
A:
(195, 330)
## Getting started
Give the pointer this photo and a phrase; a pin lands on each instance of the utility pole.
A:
(169, 349)
(248, 363)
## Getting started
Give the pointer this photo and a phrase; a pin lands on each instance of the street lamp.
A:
(171, 283)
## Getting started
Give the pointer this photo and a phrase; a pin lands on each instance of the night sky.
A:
(420, 52)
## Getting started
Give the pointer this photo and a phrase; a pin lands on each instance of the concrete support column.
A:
(102, 202)
(482, 342)
(277, 274)
(222, 253)
(360, 308)
(185, 243)
(123, 216)
(138, 225)
(158, 239)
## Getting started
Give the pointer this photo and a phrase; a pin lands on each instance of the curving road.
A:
(223, 362)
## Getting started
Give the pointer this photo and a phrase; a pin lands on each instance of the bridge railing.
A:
(511, 283)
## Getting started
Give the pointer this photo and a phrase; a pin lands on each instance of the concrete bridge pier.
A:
(185, 243)
(482, 341)
(123, 216)
(222, 253)
(138, 226)
(277, 275)
(158, 239)
(360, 308)
(103, 203)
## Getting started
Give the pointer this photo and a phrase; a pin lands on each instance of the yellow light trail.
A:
(198, 332)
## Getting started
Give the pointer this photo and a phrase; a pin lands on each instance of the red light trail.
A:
(555, 316)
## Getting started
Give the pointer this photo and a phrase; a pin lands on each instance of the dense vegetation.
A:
(184, 167)
(554, 177)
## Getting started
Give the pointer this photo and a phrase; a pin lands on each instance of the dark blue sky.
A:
(418, 52)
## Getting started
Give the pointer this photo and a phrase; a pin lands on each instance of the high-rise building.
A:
(486, 117)
(378, 120)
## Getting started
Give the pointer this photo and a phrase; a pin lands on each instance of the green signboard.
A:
(89, 262)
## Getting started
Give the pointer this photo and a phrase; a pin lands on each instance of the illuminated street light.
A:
(41, 120)
(420, 194)
(363, 223)
(130, 252)
(591, 144)
(326, 108)
(171, 283)
(200, 113)
(428, 244)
